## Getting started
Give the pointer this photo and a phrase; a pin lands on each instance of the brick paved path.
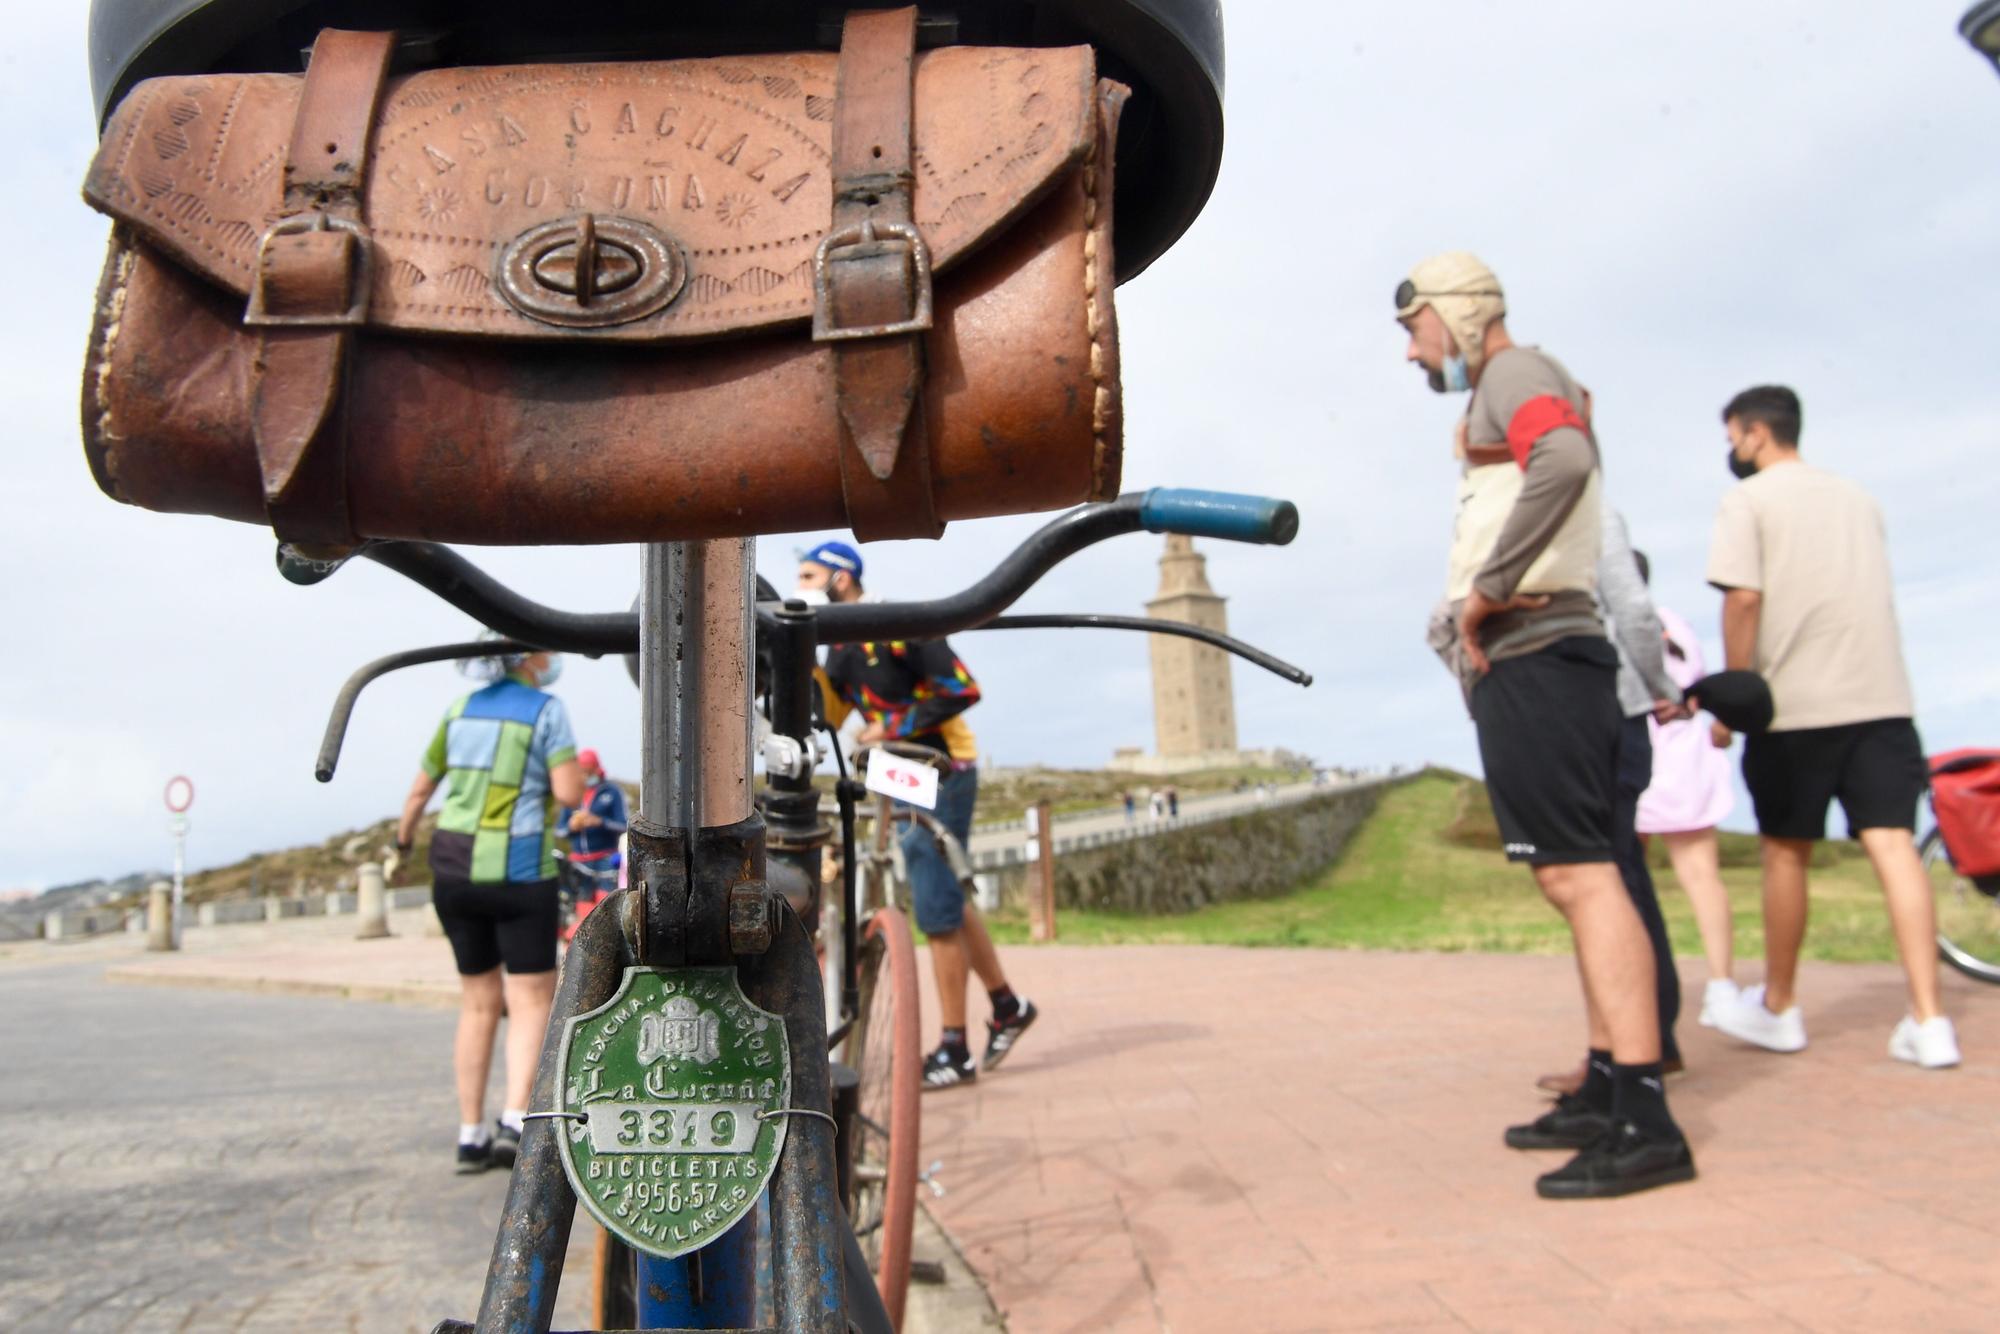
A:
(189, 1160)
(1234, 1140)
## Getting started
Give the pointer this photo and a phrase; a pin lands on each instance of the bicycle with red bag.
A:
(1962, 855)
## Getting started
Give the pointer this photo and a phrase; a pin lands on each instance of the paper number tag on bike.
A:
(684, 1082)
(905, 780)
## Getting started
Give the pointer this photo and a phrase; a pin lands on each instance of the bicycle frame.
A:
(698, 896)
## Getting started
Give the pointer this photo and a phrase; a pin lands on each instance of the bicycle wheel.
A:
(615, 1284)
(1968, 919)
(884, 1047)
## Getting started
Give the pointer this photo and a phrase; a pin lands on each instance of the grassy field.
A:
(1425, 873)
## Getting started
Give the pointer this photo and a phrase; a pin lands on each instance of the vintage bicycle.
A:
(718, 927)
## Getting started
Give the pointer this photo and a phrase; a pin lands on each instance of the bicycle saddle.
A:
(1168, 51)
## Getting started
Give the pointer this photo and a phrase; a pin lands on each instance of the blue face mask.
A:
(1457, 375)
(552, 673)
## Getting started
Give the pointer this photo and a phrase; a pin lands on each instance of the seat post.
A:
(695, 663)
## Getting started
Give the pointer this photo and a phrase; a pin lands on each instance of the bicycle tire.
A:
(1968, 918)
(614, 1282)
(885, 1047)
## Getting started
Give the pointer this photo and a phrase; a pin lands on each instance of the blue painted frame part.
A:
(728, 1283)
(1219, 514)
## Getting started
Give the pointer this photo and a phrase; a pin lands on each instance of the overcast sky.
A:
(1682, 200)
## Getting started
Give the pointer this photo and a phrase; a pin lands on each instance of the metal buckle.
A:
(255, 315)
(863, 233)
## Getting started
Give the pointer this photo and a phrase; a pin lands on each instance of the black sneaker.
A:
(474, 1158)
(1001, 1037)
(942, 1070)
(506, 1143)
(1571, 1124)
(1623, 1161)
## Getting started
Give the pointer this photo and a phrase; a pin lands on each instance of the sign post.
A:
(180, 796)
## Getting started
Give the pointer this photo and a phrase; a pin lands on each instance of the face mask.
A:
(1740, 468)
(552, 673)
(1457, 376)
(812, 597)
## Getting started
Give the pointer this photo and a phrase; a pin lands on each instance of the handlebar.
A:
(1162, 510)
(1219, 514)
(530, 624)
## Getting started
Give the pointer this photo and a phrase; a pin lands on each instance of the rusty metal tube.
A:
(807, 1218)
(527, 1264)
(695, 661)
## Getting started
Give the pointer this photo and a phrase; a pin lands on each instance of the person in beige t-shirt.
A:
(1802, 560)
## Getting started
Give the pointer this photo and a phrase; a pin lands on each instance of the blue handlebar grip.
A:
(1234, 518)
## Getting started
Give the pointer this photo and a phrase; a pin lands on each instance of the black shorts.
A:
(491, 925)
(1548, 737)
(1876, 768)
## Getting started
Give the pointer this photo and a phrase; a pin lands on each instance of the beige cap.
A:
(1463, 291)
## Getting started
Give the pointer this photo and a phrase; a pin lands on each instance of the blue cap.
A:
(835, 556)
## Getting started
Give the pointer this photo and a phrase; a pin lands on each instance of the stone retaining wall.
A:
(1254, 854)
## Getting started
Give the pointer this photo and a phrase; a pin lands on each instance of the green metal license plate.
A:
(683, 1085)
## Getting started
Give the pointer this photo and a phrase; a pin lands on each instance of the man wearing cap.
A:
(1540, 677)
(596, 826)
(917, 692)
(1808, 601)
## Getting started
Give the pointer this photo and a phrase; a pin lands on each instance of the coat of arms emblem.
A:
(680, 1031)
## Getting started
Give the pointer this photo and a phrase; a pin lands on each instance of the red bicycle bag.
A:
(1965, 793)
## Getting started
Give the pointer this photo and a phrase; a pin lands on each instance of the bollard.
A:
(160, 916)
(371, 902)
(1042, 879)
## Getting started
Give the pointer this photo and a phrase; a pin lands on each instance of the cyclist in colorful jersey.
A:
(506, 756)
(1541, 680)
(596, 826)
(917, 692)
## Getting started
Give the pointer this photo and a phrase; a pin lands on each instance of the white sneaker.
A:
(1721, 993)
(1748, 1021)
(1933, 1044)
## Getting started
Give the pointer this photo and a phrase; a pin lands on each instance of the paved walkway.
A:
(182, 1161)
(1229, 1140)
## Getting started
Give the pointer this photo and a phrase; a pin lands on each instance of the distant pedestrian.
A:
(1522, 631)
(596, 830)
(1156, 804)
(1689, 796)
(1802, 560)
(508, 755)
(1173, 803)
(1131, 805)
(1646, 693)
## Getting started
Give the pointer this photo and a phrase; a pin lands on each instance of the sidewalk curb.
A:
(959, 1305)
(385, 993)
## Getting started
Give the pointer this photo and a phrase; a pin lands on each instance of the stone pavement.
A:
(211, 1161)
(1205, 1139)
(1213, 1139)
(198, 1159)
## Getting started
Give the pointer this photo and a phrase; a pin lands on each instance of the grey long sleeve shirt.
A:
(1625, 604)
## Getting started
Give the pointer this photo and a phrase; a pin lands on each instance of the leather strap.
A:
(311, 289)
(873, 284)
(1481, 456)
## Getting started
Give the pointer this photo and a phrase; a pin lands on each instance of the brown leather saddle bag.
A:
(611, 302)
